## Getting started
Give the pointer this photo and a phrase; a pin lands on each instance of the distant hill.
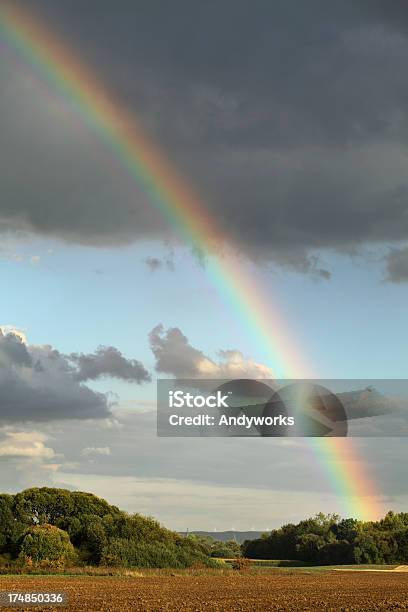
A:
(225, 536)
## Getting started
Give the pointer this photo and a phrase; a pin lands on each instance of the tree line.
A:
(54, 527)
(330, 540)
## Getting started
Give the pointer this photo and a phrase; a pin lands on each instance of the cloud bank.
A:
(292, 126)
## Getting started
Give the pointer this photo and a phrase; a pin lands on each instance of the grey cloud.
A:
(76, 204)
(13, 350)
(38, 383)
(303, 264)
(154, 263)
(397, 265)
(292, 125)
(176, 356)
(108, 361)
(46, 390)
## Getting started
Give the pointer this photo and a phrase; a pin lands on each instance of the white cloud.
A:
(25, 445)
(17, 331)
(232, 364)
(92, 450)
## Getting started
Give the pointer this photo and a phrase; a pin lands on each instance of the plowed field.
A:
(346, 591)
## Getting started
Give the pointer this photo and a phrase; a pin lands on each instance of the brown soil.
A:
(353, 591)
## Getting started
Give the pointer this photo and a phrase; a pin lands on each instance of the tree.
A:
(46, 543)
(94, 536)
(336, 553)
(375, 546)
(43, 505)
(308, 546)
(45, 524)
(347, 529)
(7, 523)
(225, 550)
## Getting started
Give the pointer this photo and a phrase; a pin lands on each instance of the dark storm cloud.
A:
(37, 383)
(108, 361)
(289, 118)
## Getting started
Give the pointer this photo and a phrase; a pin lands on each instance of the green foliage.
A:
(309, 545)
(336, 553)
(44, 525)
(52, 526)
(134, 553)
(46, 543)
(93, 536)
(327, 540)
(225, 550)
(8, 532)
(215, 548)
(347, 529)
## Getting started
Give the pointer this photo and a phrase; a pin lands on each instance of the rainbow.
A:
(135, 150)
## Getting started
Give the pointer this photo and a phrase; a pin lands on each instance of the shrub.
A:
(336, 553)
(135, 553)
(241, 564)
(226, 550)
(46, 545)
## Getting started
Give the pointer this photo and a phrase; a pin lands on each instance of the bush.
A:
(225, 550)
(135, 553)
(46, 545)
(241, 564)
(44, 527)
(336, 553)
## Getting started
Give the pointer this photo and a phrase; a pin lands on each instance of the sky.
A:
(290, 122)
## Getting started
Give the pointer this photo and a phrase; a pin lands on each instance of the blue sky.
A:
(350, 326)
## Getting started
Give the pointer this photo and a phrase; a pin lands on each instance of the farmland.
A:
(221, 591)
